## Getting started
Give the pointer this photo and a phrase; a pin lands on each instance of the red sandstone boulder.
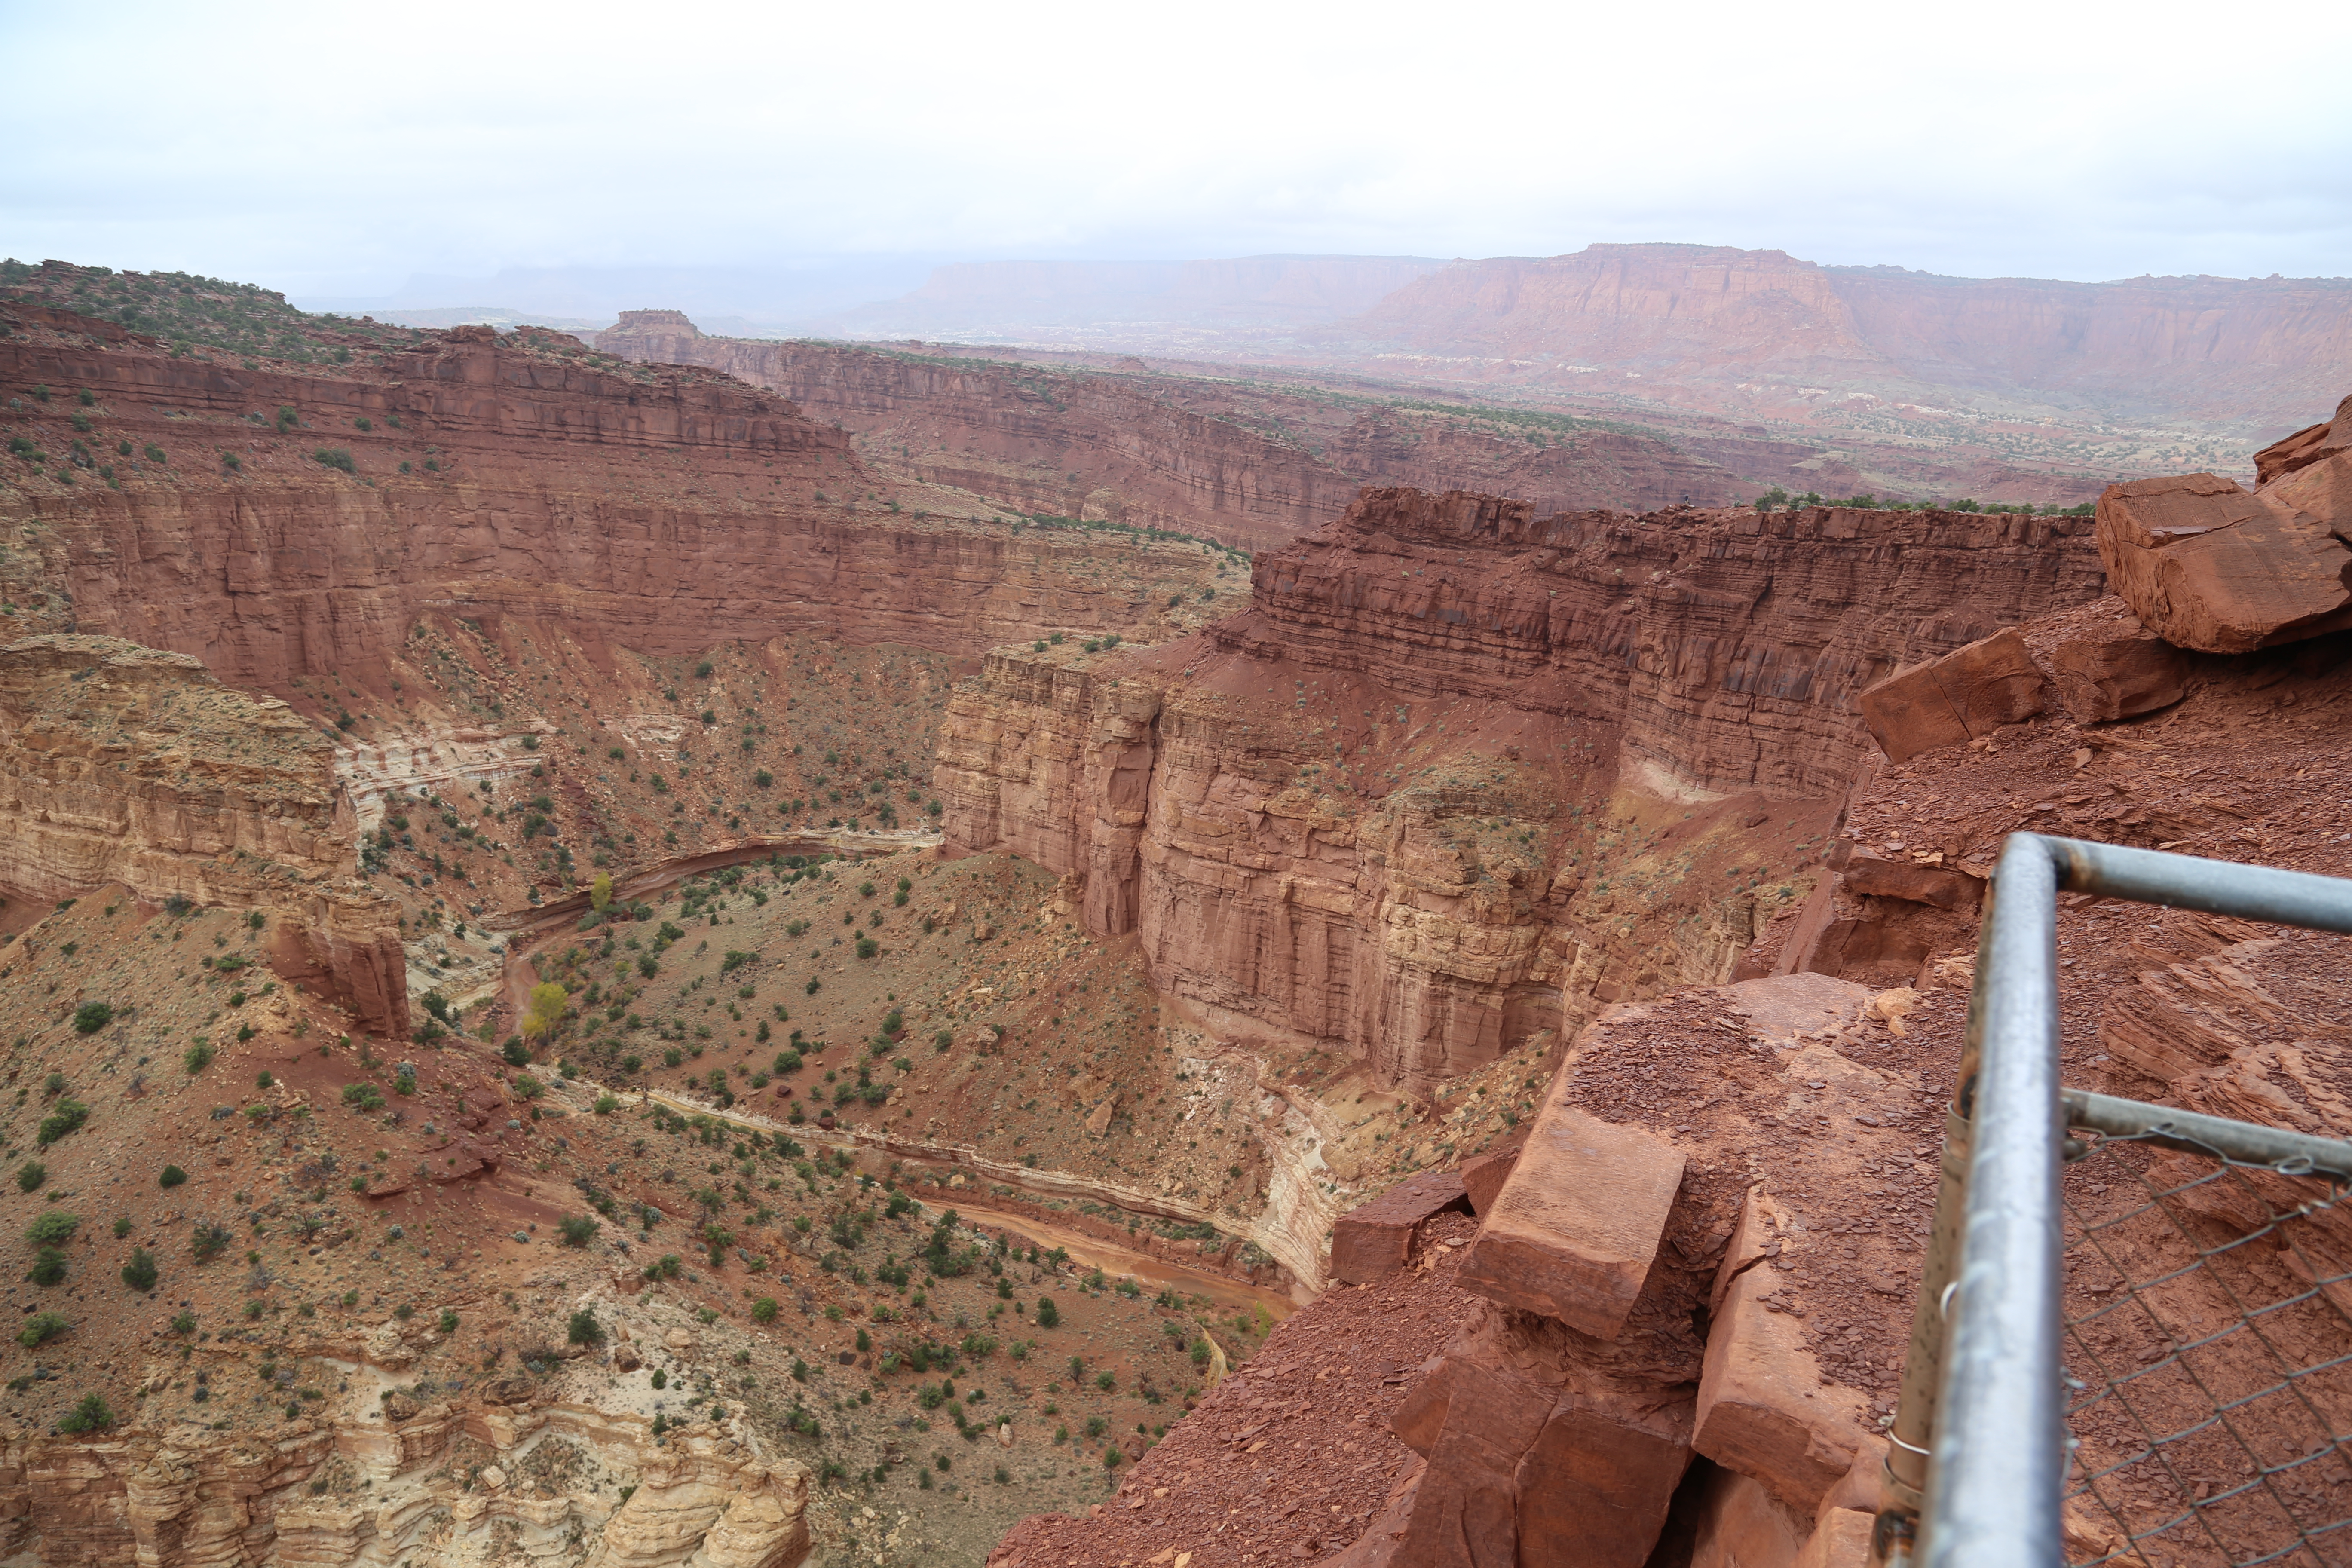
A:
(1968, 692)
(1938, 885)
(1763, 1407)
(2306, 448)
(1574, 1230)
(1532, 1475)
(1374, 1240)
(2208, 566)
(1483, 1177)
(2322, 491)
(2104, 678)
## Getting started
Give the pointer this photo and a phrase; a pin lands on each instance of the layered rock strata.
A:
(123, 763)
(1254, 466)
(289, 525)
(1371, 809)
(437, 1486)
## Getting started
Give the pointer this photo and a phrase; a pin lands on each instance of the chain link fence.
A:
(2208, 1358)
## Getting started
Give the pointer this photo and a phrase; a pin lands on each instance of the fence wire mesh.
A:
(2208, 1352)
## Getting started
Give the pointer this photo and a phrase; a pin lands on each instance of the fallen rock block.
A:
(1483, 1177)
(1595, 1486)
(1373, 1240)
(1941, 886)
(1522, 1476)
(2305, 447)
(2103, 678)
(1574, 1230)
(1842, 1540)
(2321, 490)
(1968, 692)
(2205, 565)
(1763, 1408)
(1741, 1524)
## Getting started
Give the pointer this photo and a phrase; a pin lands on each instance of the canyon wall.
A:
(664, 514)
(1448, 781)
(1251, 467)
(122, 763)
(375, 1495)
(2251, 352)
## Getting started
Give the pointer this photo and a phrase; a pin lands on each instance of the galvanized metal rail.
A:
(1976, 1471)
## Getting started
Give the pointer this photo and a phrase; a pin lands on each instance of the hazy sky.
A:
(334, 149)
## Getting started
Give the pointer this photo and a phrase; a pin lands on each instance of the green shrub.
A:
(140, 1272)
(91, 1416)
(65, 1116)
(48, 1266)
(578, 1230)
(867, 947)
(172, 1177)
(196, 1057)
(53, 1227)
(30, 1175)
(363, 1096)
(763, 1310)
(208, 1240)
(335, 457)
(514, 1052)
(40, 1328)
(1049, 1316)
(92, 1016)
(583, 1329)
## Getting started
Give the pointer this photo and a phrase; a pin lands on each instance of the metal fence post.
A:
(1996, 1490)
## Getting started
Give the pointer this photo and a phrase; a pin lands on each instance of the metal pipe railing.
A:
(1979, 1443)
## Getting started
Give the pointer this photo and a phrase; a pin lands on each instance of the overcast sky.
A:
(335, 151)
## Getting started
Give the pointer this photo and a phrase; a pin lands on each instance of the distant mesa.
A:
(670, 323)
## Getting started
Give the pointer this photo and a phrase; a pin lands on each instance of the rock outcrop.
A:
(437, 1486)
(1646, 1310)
(123, 763)
(1357, 811)
(488, 480)
(1252, 467)
(2207, 566)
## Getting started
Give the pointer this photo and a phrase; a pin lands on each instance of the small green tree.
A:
(92, 1415)
(583, 1329)
(172, 1177)
(140, 1272)
(600, 892)
(41, 1328)
(30, 1175)
(92, 1016)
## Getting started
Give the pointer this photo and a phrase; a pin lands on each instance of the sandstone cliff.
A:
(1460, 775)
(122, 763)
(664, 514)
(1251, 466)
(441, 1485)
(2167, 347)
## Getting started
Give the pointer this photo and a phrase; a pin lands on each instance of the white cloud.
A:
(336, 149)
